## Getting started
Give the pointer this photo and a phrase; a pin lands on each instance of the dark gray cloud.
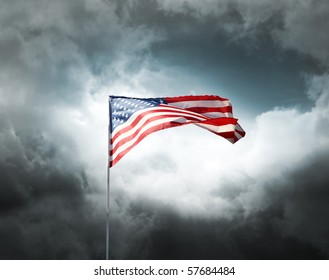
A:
(227, 50)
(45, 212)
(292, 225)
(173, 197)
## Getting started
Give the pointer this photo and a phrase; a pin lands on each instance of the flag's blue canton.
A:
(122, 107)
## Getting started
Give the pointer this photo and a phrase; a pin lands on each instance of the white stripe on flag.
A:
(214, 115)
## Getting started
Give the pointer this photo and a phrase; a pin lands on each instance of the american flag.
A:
(132, 119)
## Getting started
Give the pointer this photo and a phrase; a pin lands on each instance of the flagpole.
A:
(108, 186)
(108, 215)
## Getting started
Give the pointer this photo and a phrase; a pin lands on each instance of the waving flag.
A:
(132, 119)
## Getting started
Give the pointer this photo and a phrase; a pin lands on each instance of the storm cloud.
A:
(183, 193)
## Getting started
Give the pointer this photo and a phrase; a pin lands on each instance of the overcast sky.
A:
(182, 193)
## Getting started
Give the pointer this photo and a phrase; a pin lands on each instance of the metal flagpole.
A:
(108, 186)
(108, 215)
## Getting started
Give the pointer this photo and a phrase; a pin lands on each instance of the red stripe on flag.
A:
(194, 98)
(204, 110)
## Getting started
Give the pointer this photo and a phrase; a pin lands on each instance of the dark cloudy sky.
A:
(182, 193)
